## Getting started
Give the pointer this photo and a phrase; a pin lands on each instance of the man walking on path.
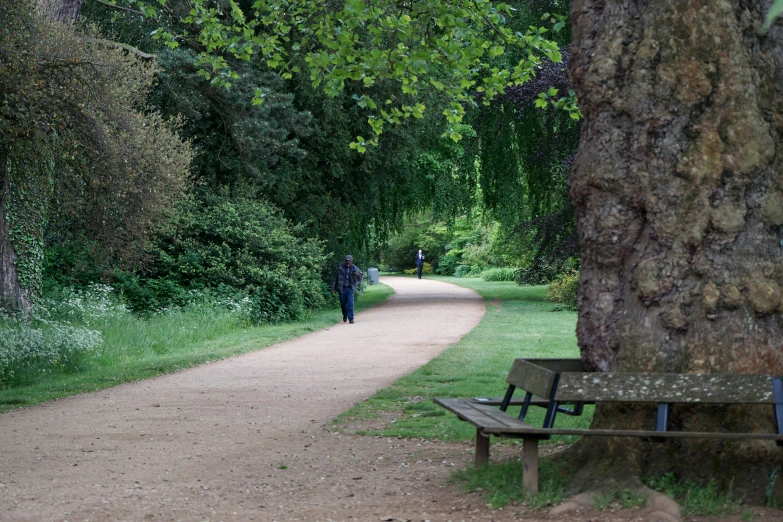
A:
(345, 280)
(419, 263)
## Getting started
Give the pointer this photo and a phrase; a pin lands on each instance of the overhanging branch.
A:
(129, 48)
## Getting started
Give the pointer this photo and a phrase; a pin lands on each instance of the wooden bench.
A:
(556, 383)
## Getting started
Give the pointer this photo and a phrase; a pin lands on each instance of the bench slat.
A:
(530, 377)
(662, 387)
(525, 432)
(482, 416)
(559, 365)
(496, 401)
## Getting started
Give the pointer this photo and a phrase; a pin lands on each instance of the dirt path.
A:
(245, 438)
(236, 439)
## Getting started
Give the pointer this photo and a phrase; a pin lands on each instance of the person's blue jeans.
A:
(346, 302)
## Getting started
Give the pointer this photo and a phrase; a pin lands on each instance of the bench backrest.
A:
(572, 384)
(663, 387)
(539, 375)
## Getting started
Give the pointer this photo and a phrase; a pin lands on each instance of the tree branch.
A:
(129, 48)
(115, 6)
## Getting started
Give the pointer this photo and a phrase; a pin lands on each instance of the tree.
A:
(678, 191)
(72, 127)
(425, 46)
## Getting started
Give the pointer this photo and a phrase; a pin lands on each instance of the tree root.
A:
(658, 506)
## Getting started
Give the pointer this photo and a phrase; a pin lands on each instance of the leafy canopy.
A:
(450, 47)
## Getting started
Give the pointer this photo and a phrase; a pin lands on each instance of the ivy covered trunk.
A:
(678, 191)
(12, 295)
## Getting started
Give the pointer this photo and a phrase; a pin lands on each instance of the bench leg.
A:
(530, 466)
(482, 448)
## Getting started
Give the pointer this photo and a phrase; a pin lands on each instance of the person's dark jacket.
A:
(346, 276)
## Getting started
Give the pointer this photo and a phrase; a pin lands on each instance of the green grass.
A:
(518, 323)
(696, 499)
(502, 483)
(136, 348)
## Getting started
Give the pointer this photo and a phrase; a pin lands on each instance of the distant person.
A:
(345, 280)
(419, 263)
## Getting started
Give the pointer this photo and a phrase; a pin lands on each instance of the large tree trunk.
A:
(12, 295)
(678, 191)
(60, 10)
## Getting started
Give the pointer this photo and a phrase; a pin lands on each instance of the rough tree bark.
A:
(678, 191)
(60, 10)
(12, 295)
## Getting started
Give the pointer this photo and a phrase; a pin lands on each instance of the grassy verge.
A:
(518, 323)
(136, 348)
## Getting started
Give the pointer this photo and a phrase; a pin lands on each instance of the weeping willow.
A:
(523, 155)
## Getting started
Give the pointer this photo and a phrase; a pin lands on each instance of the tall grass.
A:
(696, 499)
(106, 345)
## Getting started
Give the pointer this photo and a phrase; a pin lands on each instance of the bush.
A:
(544, 269)
(425, 269)
(419, 232)
(564, 290)
(56, 336)
(449, 262)
(233, 246)
(467, 271)
(500, 274)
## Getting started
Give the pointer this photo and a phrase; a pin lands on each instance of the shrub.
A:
(543, 270)
(564, 290)
(500, 274)
(231, 246)
(467, 271)
(56, 336)
(425, 269)
(449, 262)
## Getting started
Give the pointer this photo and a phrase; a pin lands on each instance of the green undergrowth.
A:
(697, 499)
(135, 348)
(501, 483)
(518, 323)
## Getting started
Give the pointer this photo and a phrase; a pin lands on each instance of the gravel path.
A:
(243, 438)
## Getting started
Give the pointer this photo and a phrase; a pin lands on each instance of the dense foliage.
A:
(447, 48)
(233, 246)
(78, 146)
(564, 289)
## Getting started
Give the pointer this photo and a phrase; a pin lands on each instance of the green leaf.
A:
(774, 12)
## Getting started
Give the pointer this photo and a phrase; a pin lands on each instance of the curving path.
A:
(243, 438)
